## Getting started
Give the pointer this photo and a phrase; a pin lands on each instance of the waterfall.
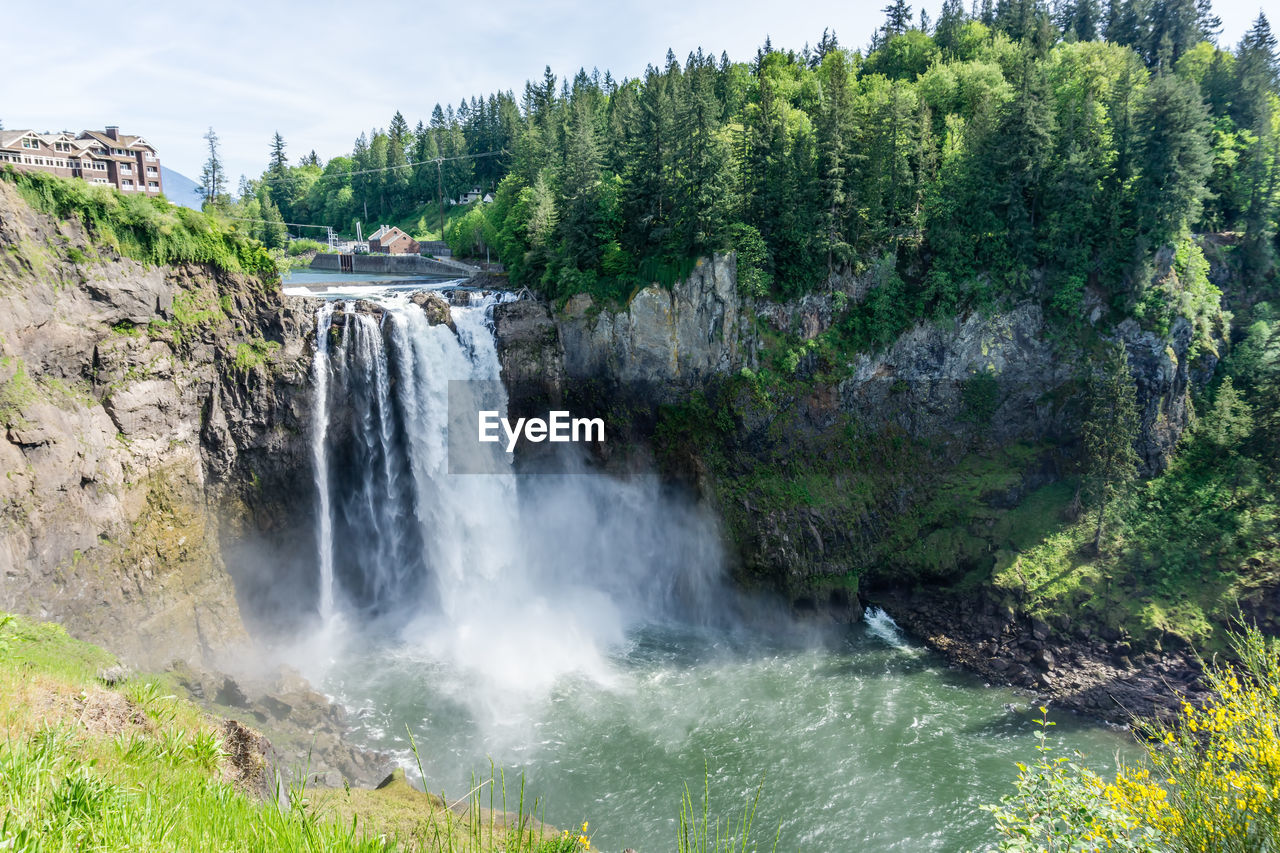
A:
(518, 580)
(320, 460)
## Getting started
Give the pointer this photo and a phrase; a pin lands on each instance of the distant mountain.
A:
(179, 189)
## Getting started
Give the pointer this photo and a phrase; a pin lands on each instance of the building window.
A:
(30, 143)
(152, 185)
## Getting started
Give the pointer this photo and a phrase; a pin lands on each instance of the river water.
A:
(578, 631)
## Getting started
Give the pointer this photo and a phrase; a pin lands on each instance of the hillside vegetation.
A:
(146, 229)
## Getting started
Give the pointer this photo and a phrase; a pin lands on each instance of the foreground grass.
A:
(87, 765)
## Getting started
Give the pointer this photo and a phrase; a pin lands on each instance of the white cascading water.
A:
(509, 585)
(320, 461)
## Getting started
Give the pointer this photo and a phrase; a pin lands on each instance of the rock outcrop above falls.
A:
(433, 305)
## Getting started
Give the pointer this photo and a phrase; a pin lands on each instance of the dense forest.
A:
(1007, 150)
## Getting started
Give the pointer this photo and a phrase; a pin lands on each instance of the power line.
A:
(436, 160)
(331, 236)
(273, 222)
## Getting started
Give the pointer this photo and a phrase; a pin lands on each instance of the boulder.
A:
(435, 306)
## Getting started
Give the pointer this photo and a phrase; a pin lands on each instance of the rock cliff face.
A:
(143, 410)
(924, 382)
(670, 339)
(940, 398)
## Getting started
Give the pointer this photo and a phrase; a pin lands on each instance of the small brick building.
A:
(389, 240)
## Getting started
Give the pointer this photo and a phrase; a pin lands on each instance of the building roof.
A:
(85, 141)
(9, 138)
(123, 141)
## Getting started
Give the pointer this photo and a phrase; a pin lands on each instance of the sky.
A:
(321, 72)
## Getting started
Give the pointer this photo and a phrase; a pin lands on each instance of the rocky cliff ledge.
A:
(912, 462)
(669, 338)
(151, 417)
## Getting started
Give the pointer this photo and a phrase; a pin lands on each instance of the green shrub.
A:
(146, 229)
(301, 247)
(1210, 779)
(254, 354)
(981, 396)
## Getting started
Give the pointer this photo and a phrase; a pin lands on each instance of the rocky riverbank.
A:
(308, 732)
(1103, 677)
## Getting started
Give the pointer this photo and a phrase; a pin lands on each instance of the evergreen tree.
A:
(1079, 20)
(581, 218)
(1107, 436)
(1266, 438)
(651, 156)
(1173, 158)
(826, 45)
(1021, 19)
(362, 182)
(1256, 70)
(702, 183)
(379, 178)
(213, 181)
(832, 162)
(1025, 148)
(1117, 186)
(1126, 22)
(398, 178)
(273, 234)
(897, 18)
(1173, 28)
(278, 163)
(986, 13)
(951, 20)
(1226, 431)
(1259, 172)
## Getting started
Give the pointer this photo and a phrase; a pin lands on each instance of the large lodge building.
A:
(105, 157)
